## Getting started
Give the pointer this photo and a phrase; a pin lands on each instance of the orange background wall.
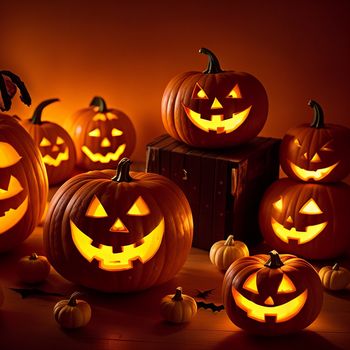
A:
(127, 51)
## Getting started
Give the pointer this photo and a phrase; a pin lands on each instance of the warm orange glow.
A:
(250, 284)
(9, 156)
(95, 133)
(110, 261)
(13, 216)
(278, 205)
(118, 226)
(139, 208)
(235, 92)
(282, 313)
(315, 159)
(59, 141)
(14, 187)
(61, 157)
(44, 142)
(286, 285)
(96, 209)
(311, 208)
(306, 175)
(116, 132)
(216, 104)
(109, 157)
(105, 142)
(200, 93)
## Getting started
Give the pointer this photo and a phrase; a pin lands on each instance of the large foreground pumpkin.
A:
(118, 232)
(23, 183)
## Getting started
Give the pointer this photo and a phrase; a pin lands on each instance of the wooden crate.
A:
(224, 187)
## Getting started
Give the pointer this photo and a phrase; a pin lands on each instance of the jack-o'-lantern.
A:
(214, 109)
(102, 136)
(306, 219)
(9, 82)
(272, 294)
(23, 183)
(118, 233)
(318, 152)
(56, 146)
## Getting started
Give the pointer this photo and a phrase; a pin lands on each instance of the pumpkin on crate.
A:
(272, 294)
(318, 152)
(102, 136)
(23, 183)
(118, 232)
(214, 108)
(56, 146)
(334, 277)
(306, 219)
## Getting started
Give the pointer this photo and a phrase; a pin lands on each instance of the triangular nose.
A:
(55, 148)
(216, 104)
(289, 219)
(315, 159)
(269, 301)
(105, 142)
(118, 226)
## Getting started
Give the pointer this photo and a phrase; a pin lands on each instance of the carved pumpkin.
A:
(334, 277)
(9, 82)
(118, 233)
(318, 152)
(271, 295)
(23, 183)
(306, 219)
(214, 109)
(102, 136)
(56, 146)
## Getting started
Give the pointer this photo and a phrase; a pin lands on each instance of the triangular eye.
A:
(250, 284)
(9, 156)
(311, 208)
(44, 142)
(297, 143)
(116, 132)
(327, 147)
(286, 285)
(278, 205)
(95, 133)
(198, 92)
(139, 208)
(96, 209)
(59, 141)
(235, 92)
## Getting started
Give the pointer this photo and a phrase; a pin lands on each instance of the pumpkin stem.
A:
(178, 294)
(25, 97)
(335, 267)
(318, 121)
(275, 261)
(229, 240)
(213, 63)
(99, 102)
(36, 118)
(33, 256)
(73, 299)
(123, 171)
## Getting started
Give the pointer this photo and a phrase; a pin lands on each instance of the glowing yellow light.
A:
(316, 158)
(116, 132)
(216, 104)
(13, 216)
(95, 133)
(9, 155)
(96, 209)
(14, 187)
(201, 93)
(235, 92)
(278, 205)
(59, 141)
(111, 116)
(305, 155)
(305, 175)
(311, 208)
(269, 301)
(139, 208)
(118, 226)
(99, 116)
(296, 142)
(301, 236)
(289, 219)
(109, 157)
(105, 142)
(61, 157)
(110, 261)
(250, 284)
(326, 147)
(282, 313)
(44, 142)
(286, 285)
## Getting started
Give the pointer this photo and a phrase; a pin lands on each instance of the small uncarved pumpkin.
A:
(178, 307)
(33, 268)
(223, 253)
(334, 278)
(72, 313)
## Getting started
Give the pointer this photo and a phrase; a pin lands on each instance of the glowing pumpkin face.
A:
(316, 152)
(214, 109)
(305, 219)
(273, 295)
(102, 136)
(120, 229)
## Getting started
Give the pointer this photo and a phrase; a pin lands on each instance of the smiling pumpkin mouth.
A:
(217, 122)
(62, 156)
(13, 216)
(281, 313)
(98, 157)
(292, 234)
(143, 250)
(318, 174)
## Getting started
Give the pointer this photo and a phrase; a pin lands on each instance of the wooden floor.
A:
(133, 321)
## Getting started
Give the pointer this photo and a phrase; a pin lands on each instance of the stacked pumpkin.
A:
(307, 213)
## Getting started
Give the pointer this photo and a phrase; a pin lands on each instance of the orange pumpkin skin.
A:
(115, 226)
(299, 211)
(181, 100)
(91, 146)
(269, 275)
(23, 183)
(316, 152)
(58, 151)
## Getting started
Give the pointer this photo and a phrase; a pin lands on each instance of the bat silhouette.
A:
(210, 306)
(204, 294)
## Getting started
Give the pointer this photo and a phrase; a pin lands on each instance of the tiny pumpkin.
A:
(72, 313)
(224, 252)
(334, 277)
(33, 268)
(178, 307)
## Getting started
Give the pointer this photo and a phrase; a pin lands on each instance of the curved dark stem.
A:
(335, 267)
(123, 171)
(275, 261)
(73, 299)
(36, 118)
(25, 97)
(99, 102)
(178, 294)
(318, 121)
(213, 63)
(6, 98)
